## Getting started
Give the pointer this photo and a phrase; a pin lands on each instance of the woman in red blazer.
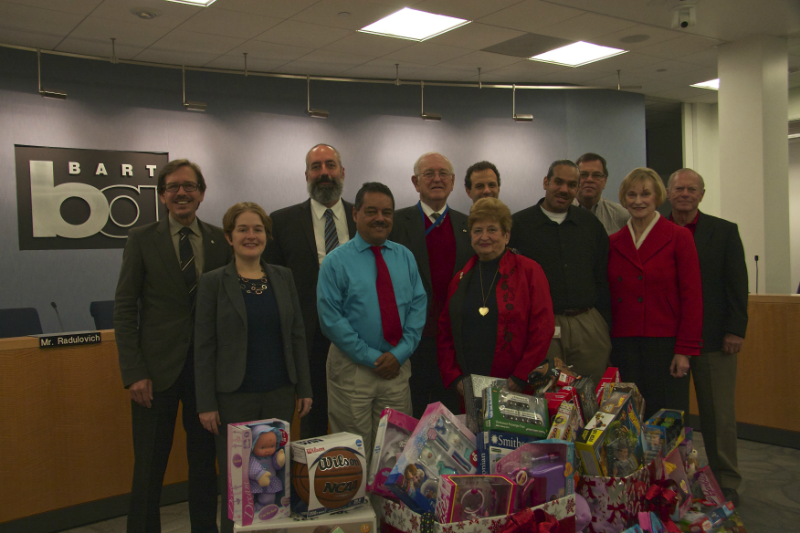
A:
(498, 320)
(656, 297)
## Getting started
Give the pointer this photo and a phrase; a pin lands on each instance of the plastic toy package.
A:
(467, 497)
(663, 432)
(494, 445)
(440, 444)
(515, 413)
(566, 423)
(474, 386)
(394, 430)
(543, 471)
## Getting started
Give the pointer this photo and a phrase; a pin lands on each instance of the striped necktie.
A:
(331, 237)
(187, 262)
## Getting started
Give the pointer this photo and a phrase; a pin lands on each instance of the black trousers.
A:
(153, 430)
(246, 407)
(645, 361)
(426, 380)
(315, 423)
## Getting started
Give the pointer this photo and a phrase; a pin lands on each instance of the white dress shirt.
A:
(318, 219)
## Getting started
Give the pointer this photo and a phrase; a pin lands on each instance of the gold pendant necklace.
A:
(485, 310)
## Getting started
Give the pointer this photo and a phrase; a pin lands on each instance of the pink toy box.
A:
(394, 430)
(474, 496)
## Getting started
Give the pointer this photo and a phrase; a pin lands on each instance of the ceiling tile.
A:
(439, 73)
(335, 58)
(229, 23)
(302, 34)
(524, 71)
(465, 9)
(671, 69)
(31, 38)
(94, 47)
(18, 17)
(531, 16)
(695, 76)
(236, 62)
(637, 84)
(475, 36)
(679, 47)
(174, 57)
(76, 7)
(181, 40)
(657, 35)
(706, 58)
(272, 8)
(383, 68)
(125, 33)
(270, 52)
(312, 67)
(427, 53)
(581, 76)
(485, 60)
(586, 27)
(362, 13)
(621, 62)
(367, 44)
(172, 14)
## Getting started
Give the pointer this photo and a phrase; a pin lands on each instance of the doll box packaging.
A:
(329, 474)
(600, 445)
(394, 430)
(464, 497)
(440, 444)
(494, 445)
(258, 471)
(358, 520)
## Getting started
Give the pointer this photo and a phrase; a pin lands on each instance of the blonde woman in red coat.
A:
(656, 297)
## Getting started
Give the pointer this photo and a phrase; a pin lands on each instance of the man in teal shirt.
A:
(368, 367)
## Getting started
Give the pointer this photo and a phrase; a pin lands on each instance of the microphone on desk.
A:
(756, 274)
(53, 304)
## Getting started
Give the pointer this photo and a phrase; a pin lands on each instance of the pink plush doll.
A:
(266, 459)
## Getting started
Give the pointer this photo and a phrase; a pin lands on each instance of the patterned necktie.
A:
(331, 237)
(390, 317)
(187, 261)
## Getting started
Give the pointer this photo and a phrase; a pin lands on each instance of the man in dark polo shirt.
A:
(571, 245)
(439, 240)
(724, 274)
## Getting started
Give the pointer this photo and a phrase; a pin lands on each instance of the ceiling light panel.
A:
(201, 3)
(414, 25)
(710, 84)
(578, 54)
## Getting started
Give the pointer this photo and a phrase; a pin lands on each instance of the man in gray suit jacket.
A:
(725, 287)
(154, 326)
(300, 242)
(439, 239)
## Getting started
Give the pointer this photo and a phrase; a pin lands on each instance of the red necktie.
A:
(390, 318)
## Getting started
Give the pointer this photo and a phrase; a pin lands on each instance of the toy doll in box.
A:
(542, 470)
(394, 430)
(267, 458)
(467, 497)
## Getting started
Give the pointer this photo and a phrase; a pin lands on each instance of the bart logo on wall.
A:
(71, 199)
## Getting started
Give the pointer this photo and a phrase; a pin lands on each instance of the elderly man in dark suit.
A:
(439, 239)
(302, 235)
(154, 326)
(724, 274)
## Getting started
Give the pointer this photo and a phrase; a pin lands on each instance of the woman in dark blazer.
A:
(656, 297)
(498, 320)
(250, 348)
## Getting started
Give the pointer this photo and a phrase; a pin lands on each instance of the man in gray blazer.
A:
(299, 242)
(154, 327)
(725, 288)
(439, 239)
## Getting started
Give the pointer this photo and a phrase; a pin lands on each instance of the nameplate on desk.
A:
(74, 338)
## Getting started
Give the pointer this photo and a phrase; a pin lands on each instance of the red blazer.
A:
(656, 290)
(525, 321)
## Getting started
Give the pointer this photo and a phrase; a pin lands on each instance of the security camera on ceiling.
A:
(684, 16)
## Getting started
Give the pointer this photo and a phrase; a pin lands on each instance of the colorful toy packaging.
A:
(611, 375)
(662, 433)
(719, 519)
(674, 470)
(440, 444)
(542, 470)
(328, 474)
(566, 423)
(358, 520)
(472, 496)
(636, 396)
(258, 482)
(394, 430)
(474, 386)
(515, 413)
(609, 444)
(494, 445)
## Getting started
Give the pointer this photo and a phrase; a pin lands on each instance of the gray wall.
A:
(252, 141)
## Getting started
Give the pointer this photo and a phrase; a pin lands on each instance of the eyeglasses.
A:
(175, 187)
(430, 174)
(595, 175)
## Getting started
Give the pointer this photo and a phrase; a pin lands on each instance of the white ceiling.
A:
(315, 37)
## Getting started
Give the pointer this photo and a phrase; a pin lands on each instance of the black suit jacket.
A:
(220, 351)
(725, 284)
(293, 245)
(153, 319)
(409, 230)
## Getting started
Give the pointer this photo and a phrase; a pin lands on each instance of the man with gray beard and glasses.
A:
(302, 235)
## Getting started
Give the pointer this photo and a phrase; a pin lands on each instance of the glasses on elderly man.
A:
(430, 174)
(174, 187)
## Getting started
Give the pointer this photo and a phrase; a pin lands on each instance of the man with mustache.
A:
(593, 178)
(440, 242)
(482, 181)
(371, 306)
(302, 235)
(571, 245)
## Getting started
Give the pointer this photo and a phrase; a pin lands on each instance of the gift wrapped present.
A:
(616, 501)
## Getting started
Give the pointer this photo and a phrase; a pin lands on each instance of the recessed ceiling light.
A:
(201, 3)
(710, 84)
(578, 54)
(344, 14)
(145, 12)
(414, 25)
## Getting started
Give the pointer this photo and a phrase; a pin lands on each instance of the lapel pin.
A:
(212, 241)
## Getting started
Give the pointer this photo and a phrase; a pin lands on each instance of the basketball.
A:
(300, 480)
(338, 477)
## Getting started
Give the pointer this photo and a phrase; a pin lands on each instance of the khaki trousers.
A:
(714, 376)
(585, 344)
(356, 396)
